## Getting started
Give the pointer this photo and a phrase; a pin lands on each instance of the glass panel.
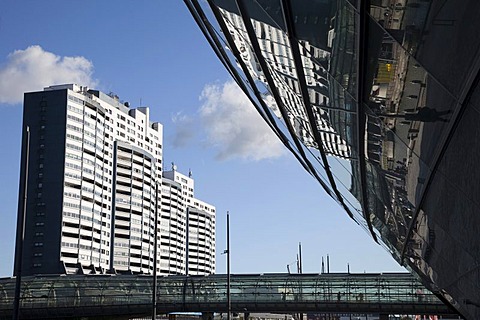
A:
(237, 31)
(326, 41)
(402, 19)
(347, 180)
(425, 28)
(411, 104)
(408, 115)
(275, 48)
(449, 27)
(437, 243)
(342, 39)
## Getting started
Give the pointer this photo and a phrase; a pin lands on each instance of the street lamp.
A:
(229, 303)
(155, 244)
(19, 257)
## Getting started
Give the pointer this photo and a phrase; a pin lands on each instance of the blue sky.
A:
(152, 52)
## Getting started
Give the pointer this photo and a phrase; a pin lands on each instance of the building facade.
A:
(92, 171)
(199, 229)
(395, 83)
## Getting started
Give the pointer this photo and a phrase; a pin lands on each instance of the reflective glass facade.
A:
(378, 101)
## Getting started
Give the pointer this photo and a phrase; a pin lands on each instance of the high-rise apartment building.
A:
(191, 217)
(94, 187)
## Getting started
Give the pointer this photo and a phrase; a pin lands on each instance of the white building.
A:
(94, 166)
(199, 229)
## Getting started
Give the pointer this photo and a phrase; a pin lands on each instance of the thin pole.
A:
(300, 315)
(18, 279)
(155, 243)
(300, 255)
(229, 303)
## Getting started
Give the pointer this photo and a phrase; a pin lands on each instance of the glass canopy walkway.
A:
(92, 296)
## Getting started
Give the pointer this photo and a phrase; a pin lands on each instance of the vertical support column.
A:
(114, 200)
(383, 316)
(206, 316)
(229, 302)
(246, 316)
(362, 47)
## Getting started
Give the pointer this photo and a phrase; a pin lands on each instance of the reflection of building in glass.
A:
(275, 47)
(385, 90)
(94, 167)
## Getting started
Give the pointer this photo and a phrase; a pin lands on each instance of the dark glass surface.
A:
(421, 61)
(440, 35)
(445, 241)
(450, 28)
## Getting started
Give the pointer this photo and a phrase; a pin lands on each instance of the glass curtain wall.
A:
(376, 99)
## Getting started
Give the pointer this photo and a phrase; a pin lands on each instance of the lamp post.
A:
(18, 273)
(155, 243)
(229, 303)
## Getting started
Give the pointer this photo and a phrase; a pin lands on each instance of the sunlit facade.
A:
(377, 101)
(193, 219)
(94, 189)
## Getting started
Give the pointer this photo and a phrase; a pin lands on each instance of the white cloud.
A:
(33, 69)
(184, 129)
(234, 126)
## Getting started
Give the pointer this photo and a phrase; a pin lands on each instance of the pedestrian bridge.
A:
(96, 296)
